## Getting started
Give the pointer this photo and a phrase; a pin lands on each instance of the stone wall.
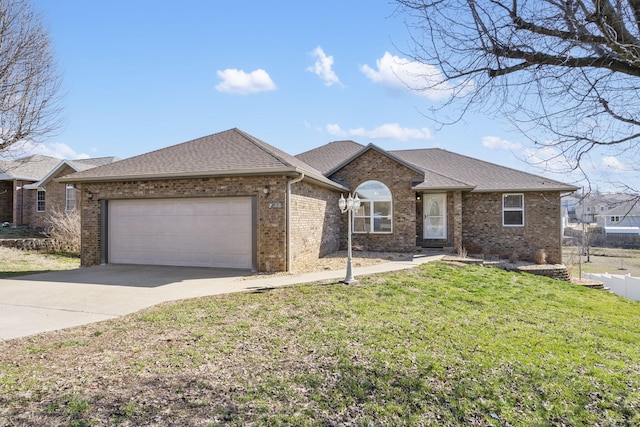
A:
(46, 245)
(373, 165)
(483, 232)
(315, 223)
(271, 209)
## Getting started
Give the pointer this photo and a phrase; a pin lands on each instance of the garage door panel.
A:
(211, 232)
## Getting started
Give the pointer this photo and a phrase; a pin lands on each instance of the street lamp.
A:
(349, 205)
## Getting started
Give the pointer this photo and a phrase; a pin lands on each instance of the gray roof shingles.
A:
(232, 151)
(30, 168)
(482, 176)
(329, 156)
(236, 152)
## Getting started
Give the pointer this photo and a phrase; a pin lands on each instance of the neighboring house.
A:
(232, 200)
(597, 204)
(620, 218)
(29, 191)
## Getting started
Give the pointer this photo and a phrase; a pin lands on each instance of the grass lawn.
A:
(17, 263)
(603, 260)
(437, 345)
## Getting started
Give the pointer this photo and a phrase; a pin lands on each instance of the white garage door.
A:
(206, 232)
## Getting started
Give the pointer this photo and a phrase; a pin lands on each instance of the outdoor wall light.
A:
(349, 205)
(266, 189)
(89, 195)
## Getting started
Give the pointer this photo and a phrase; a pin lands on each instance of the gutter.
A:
(288, 221)
(321, 180)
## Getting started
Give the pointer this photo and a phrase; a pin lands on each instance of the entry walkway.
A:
(57, 300)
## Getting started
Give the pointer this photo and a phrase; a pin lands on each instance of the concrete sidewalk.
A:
(57, 300)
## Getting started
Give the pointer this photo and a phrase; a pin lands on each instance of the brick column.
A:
(457, 219)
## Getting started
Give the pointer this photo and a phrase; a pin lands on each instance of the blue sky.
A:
(143, 75)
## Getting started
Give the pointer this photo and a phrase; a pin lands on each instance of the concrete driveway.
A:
(57, 300)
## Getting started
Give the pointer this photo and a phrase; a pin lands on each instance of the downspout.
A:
(288, 226)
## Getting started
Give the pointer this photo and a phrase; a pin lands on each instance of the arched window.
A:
(375, 213)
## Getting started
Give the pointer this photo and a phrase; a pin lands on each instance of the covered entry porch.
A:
(439, 219)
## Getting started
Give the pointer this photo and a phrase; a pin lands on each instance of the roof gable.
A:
(378, 150)
(231, 152)
(328, 156)
(76, 165)
(477, 174)
(30, 168)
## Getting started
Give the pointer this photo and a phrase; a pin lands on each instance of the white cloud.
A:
(53, 149)
(613, 164)
(243, 83)
(412, 76)
(322, 67)
(549, 159)
(497, 143)
(386, 131)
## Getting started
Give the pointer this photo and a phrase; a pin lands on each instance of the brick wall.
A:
(483, 232)
(6, 201)
(372, 165)
(271, 209)
(315, 223)
(55, 200)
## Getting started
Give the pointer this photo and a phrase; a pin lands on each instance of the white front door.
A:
(435, 216)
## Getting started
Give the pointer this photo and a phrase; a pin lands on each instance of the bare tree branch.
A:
(29, 83)
(566, 70)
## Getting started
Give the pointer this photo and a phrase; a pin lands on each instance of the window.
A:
(513, 210)
(374, 215)
(70, 198)
(40, 196)
(615, 218)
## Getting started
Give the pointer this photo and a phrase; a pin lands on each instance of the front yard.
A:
(438, 345)
(17, 263)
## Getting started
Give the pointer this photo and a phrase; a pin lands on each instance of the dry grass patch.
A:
(338, 260)
(431, 346)
(14, 262)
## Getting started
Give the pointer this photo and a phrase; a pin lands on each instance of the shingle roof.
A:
(84, 164)
(232, 152)
(625, 208)
(327, 157)
(442, 169)
(482, 176)
(30, 168)
(36, 167)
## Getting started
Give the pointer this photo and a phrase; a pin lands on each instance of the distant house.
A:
(591, 206)
(620, 218)
(232, 200)
(29, 191)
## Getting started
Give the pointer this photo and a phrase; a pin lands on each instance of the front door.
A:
(435, 216)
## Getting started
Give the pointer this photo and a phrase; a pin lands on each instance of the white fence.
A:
(623, 285)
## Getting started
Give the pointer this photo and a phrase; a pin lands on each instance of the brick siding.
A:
(315, 223)
(6, 201)
(372, 165)
(55, 200)
(271, 209)
(483, 232)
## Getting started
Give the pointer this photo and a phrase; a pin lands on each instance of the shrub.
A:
(462, 252)
(540, 257)
(65, 229)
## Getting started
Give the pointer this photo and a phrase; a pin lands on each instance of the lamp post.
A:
(349, 205)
